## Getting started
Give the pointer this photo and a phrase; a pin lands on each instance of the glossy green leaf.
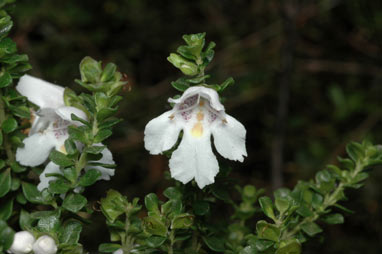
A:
(5, 182)
(311, 228)
(102, 135)
(201, 207)
(74, 202)
(89, 178)
(335, 218)
(70, 232)
(60, 159)
(215, 243)
(59, 186)
(109, 247)
(292, 247)
(49, 223)
(5, 79)
(182, 221)
(90, 70)
(6, 235)
(151, 203)
(155, 241)
(25, 220)
(154, 226)
(9, 125)
(172, 193)
(6, 210)
(267, 231)
(113, 205)
(267, 207)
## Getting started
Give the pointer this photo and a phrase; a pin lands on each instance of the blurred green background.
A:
(308, 80)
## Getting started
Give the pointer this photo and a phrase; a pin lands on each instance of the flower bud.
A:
(45, 245)
(119, 251)
(22, 243)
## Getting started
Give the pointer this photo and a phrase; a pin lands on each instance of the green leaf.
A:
(105, 113)
(187, 67)
(311, 228)
(94, 149)
(78, 133)
(89, 178)
(267, 207)
(90, 70)
(6, 210)
(9, 125)
(267, 231)
(335, 218)
(172, 193)
(7, 46)
(60, 159)
(26, 220)
(153, 225)
(5, 182)
(180, 85)
(182, 221)
(70, 232)
(151, 203)
(59, 186)
(31, 193)
(355, 151)
(108, 72)
(304, 211)
(5, 79)
(109, 247)
(74, 202)
(113, 205)
(1, 138)
(292, 247)
(102, 135)
(49, 223)
(228, 82)
(201, 207)
(155, 241)
(215, 243)
(6, 235)
(20, 111)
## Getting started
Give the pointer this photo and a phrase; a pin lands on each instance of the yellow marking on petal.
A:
(197, 130)
(224, 120)
(200, 116)
(201, 103)
(63, 149)
(171, 117)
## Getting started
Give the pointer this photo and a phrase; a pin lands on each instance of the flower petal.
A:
(194, 159)
(66, 112)
(51, 168)
(40, 92)
(162, 132)
(229, 138)
(36, 149)
(208, 93)
(107, 158)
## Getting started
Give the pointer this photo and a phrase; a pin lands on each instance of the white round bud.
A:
(45, 245)
(22, 243)
(119, 251)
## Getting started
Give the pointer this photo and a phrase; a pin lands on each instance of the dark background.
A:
(308, 80)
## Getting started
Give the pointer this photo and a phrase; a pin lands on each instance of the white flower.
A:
(22, 243)
(50, 128)
(45, 245)
(199, 113)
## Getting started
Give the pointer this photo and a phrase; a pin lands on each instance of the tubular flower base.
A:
(199, 113)
(50, 128)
